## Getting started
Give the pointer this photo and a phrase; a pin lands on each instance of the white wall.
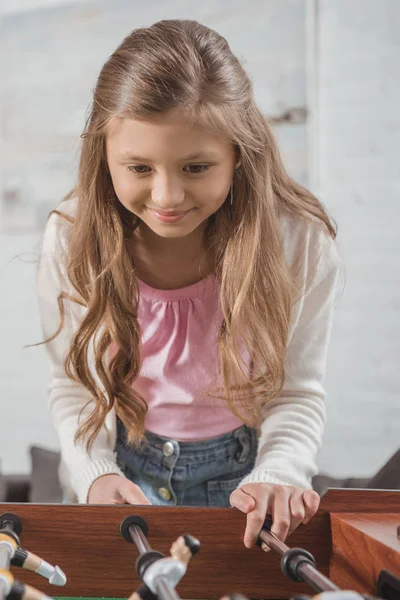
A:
(359, 178)
(8, 7)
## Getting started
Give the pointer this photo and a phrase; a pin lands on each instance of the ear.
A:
(238, 156)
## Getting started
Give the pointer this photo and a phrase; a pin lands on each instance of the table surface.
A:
(75, 537)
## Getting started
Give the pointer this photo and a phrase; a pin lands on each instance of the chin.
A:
(177, 230)
(169, 232)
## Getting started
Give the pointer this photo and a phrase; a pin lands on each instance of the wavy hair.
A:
(182, 64)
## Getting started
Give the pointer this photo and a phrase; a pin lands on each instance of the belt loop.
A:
(243, 438)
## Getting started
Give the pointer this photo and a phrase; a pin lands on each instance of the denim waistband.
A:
(238, 443)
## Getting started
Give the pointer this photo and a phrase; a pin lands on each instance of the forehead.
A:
(173, 133)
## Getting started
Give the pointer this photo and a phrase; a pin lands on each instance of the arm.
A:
(291, 432)
(66, 398)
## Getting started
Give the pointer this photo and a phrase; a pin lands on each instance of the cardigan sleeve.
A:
(69, 402)
(291, 433)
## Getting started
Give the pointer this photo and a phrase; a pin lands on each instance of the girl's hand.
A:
(288, 505)
(115, 489)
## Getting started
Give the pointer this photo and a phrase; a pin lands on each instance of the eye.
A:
(197, 169)
(192, 169)
(138, 169)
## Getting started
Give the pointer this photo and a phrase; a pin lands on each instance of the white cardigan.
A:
(292, 429)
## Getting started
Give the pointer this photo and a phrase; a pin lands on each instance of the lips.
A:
(169, 217)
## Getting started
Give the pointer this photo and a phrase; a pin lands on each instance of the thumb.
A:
(132, 494)
(242, 501)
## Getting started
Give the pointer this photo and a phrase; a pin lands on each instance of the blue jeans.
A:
(201, 473)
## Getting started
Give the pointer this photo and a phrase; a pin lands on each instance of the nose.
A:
(168, 193)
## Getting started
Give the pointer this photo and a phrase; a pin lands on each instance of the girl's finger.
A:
(311, 502)
(242, 501)
(281, 519)
(132, 494)
(265, 547)
(297, 510)
(255, 520)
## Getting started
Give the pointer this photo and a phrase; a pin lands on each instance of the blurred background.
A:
(327, 73)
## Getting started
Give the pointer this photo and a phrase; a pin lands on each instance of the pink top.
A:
(180, 359)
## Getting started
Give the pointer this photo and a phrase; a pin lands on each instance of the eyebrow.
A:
(197, 155)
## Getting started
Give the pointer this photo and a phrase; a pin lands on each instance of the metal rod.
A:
(316, 579)
(139, 539)
(164, 589)
(307, 572)
(273, 542)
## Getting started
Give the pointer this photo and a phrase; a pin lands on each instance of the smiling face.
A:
(171, 173)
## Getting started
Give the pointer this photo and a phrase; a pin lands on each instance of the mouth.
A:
(169, 217)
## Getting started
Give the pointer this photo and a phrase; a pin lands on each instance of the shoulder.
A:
(57, 232)
(54, 244)
(60, 221)
(310, 250)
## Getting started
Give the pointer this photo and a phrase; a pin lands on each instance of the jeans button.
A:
(168, 449)
(164, 493)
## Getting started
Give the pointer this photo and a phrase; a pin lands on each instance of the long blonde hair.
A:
(182, 64)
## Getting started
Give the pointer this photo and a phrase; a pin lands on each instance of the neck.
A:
(189, 246)
(169, 263)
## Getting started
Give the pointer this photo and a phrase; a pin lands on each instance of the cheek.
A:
(125, 187)
(215, 192)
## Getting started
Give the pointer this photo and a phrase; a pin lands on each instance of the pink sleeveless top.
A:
(180, 362)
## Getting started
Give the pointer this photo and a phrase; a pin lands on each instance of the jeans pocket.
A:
(219, 491)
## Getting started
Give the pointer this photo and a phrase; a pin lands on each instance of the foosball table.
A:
(145, 552)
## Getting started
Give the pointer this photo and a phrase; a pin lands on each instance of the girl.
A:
(186, 289)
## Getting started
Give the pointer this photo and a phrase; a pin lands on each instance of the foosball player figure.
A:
(183, 549)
